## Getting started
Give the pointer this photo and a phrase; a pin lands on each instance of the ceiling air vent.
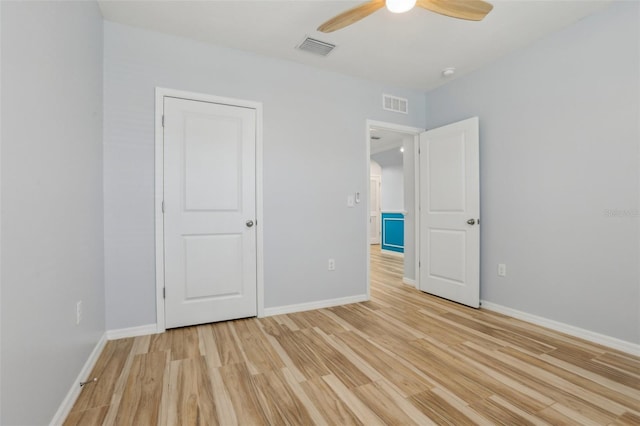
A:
(316, 46)
(395, 104)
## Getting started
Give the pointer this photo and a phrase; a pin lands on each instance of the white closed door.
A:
(449, 212)
(374, 217)
(209, 212)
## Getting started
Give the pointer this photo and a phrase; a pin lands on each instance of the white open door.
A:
(374, 216)
(450, 211)
(210, 271)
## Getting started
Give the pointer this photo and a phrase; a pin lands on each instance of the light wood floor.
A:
(403, 358)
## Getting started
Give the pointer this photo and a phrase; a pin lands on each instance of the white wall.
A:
(392, 192)
(51, 190)
(392, 188)
(559, 149)
(309, 116)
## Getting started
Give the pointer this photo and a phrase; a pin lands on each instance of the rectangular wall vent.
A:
(318, 47)
(395, 104)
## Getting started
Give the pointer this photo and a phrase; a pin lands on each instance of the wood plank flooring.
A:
(402, 358)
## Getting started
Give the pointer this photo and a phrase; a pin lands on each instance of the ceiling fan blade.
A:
(351, 16)
(470, 10)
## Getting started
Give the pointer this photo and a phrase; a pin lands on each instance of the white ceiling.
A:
(408, 50)
(389, 140)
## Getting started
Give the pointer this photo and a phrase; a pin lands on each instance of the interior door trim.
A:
(160, 94)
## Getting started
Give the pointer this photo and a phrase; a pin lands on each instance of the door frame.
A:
(159, 192)
(378, 210)
(411, 131)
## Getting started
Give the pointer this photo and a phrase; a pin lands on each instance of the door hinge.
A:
(164, 292)
(162, 206)
(163, 121)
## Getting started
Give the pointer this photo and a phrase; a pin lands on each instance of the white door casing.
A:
(374, 218)
(210, 252)
(450, 212)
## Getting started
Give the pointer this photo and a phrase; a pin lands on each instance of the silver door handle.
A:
(471, 221)
(249, 223)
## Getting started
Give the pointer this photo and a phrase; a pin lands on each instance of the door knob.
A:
(471, 221)
(249, 223)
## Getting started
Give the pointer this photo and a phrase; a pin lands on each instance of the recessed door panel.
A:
(212, 263)
(447, 255)
(447, 164)
(213, 162)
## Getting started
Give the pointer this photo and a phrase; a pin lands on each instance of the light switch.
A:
(350, 201)
(502, 270)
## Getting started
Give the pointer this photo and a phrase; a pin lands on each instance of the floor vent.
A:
(395, 104)
(317, 47)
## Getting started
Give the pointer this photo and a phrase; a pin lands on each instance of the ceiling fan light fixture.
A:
(400, 6)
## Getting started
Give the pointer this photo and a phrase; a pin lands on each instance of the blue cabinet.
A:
(393, 232)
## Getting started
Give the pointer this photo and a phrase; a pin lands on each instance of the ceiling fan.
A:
(470, 10)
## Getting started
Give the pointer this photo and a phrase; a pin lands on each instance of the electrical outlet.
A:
(78, 312)
(502, 270)
(332, 265)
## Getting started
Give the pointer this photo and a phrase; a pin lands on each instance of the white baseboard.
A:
(289, 309)
(141, 330)
(392, 253)
(409, 281)
(612, 342)
(74, 392)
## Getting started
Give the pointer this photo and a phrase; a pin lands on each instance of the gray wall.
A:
(559, 139)
(392, 188)
(392, 192)
(52, 228)
(309, 116)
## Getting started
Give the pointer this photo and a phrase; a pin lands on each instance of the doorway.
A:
(392, 219)
(444, 181)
